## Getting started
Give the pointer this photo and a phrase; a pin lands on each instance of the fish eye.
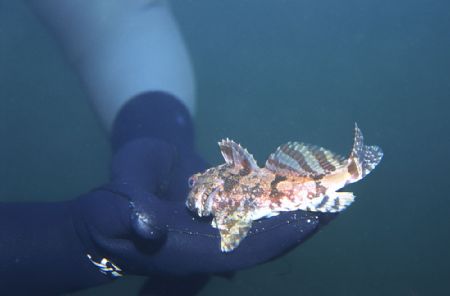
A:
(191, 181)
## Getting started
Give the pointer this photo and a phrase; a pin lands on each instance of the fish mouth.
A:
(194, 202)
(189, 204)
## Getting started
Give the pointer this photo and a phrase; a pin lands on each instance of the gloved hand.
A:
(139, 221)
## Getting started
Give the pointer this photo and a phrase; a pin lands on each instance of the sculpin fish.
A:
(297, 176)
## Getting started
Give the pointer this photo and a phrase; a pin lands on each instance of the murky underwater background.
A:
(269, 72)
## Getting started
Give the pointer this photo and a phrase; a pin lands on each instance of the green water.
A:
(269, 72)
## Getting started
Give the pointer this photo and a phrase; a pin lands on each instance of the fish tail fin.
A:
(363, 159)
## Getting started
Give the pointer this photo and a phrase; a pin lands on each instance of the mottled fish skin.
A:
(296, 176)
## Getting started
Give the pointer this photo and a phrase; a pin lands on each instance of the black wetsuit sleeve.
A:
(40, 251)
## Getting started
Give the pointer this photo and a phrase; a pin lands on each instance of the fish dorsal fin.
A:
(294, 158)
(235, 155)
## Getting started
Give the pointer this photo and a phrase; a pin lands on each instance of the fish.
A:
(297, 176)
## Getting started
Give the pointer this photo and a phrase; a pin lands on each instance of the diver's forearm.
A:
(120, 49)
(40, 251)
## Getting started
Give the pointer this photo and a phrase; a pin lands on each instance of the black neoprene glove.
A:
(140, 222)
(137, 223)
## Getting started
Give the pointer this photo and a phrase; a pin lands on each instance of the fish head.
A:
(203, 189)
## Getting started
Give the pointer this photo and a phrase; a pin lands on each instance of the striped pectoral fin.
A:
(332, 202)
(233, 229)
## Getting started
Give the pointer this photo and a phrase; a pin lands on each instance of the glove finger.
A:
(146, 163)
(200, 242)
(145, 213)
